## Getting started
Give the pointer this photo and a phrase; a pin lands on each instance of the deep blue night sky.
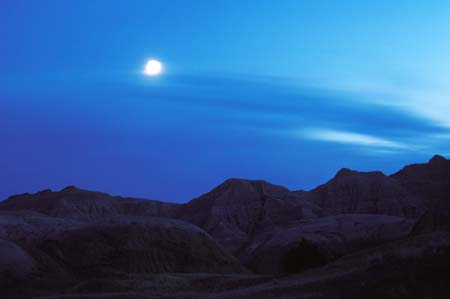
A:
(286, 91)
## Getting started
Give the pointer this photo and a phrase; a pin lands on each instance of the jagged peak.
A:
(83, 193)
(234, 181)
(21, 195)
(437, 159)
(349, 172)
(258, 184)
(436, 162)
(44, 192)
(70, 188)
(345, 172)
(240, 185)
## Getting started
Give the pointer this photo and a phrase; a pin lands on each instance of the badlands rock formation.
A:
(359, 235)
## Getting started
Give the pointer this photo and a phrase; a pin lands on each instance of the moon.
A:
(153, 68)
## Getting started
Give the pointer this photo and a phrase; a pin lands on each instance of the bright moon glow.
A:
(153, 68)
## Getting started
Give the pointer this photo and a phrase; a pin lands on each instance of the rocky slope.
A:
(304, 244)
(359, 235)
(15, 263)
(238, 209)
(431, 182)
(77, 204)
(55, 240)
(413, 268)
(365, 192)
(148, 246)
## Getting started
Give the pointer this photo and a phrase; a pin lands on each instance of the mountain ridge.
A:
(240, 236)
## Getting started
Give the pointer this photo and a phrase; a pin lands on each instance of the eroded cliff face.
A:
(380, 235)
(47, 253)
(365, 192)
(77, 204)
(305, 244)
(238, 209)
(430, 182)
(150, 246)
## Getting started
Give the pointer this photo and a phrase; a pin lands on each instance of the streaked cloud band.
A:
(347, 137)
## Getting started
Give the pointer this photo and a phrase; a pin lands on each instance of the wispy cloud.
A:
(346, 137)
(427, 101)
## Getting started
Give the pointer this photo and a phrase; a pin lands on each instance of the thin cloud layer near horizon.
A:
(288, 92)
